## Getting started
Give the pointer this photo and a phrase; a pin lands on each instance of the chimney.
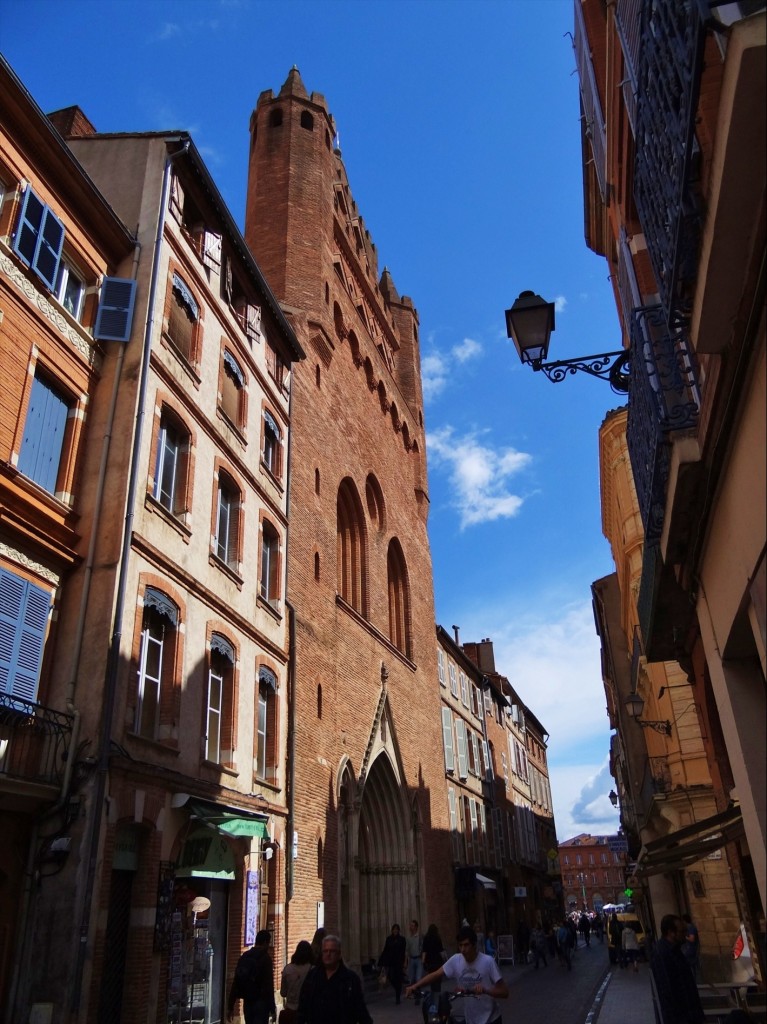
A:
(71, 123)
(455, 630)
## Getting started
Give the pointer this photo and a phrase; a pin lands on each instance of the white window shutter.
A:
(460, 733)
(211, 250)
(447, 739)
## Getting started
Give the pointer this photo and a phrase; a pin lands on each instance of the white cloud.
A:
(468, 349)
(434, 375)
(479, 475)
(168, 31)
(438, 368)
(559, 304)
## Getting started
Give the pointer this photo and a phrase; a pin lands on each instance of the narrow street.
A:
(550, 995)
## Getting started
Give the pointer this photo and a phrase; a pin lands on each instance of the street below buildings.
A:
(552, 995)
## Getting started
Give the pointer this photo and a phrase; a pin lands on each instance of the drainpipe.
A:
(110, 683)
(291, 765)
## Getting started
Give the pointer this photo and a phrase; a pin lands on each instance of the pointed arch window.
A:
(399, 599)
(351, 548)
(265, 759)
(157, 647)
(218, 714)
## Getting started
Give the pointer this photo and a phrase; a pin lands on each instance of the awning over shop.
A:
(205, 855)
(486, 883)
(228, 820)
(691, 843)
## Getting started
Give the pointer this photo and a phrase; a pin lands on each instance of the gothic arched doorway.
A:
(387, 859)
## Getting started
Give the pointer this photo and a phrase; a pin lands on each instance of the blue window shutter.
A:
(43, 439)
(115, 316)
(28, 227)
(49, 246)
(23, 620)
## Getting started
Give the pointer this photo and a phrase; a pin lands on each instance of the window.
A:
(272, 450)
(171, 468)
(475, 700)
(232, 401)
(455, 836)
(44, 430)
(23, 623)
(70, 290)
(219, 698)
(264, 761)
(158, 631)
(183, 315)
(39, 238)
(270, 557)
(275, 365)
(453, 679)
(399, 598)
(226, 540)
(441, 667)
(351, 548)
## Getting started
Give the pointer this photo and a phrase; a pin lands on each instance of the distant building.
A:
(593, 873)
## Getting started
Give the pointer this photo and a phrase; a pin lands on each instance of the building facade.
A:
(593, 872)
(170, 655)
(367, 807)
(674, 200)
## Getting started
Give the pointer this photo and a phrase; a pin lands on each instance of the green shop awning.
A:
(228, 820)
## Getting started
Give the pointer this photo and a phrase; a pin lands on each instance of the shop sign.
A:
(252, 907)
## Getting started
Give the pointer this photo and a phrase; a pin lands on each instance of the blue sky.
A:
(459, 127)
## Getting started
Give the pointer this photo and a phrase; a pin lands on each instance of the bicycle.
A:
(441, 1011)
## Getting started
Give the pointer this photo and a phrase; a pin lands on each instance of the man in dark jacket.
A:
(674, 982)
(254, 983)
(331, 993)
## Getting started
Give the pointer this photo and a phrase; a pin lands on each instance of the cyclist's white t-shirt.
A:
(483, 970)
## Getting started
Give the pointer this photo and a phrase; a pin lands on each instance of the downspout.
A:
(291, 765)
(78, 646)
(110, 683)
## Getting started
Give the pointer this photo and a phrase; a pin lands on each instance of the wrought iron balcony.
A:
(34, 742)
(670, 57)
(664, 398)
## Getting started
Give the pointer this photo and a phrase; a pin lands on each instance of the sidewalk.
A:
(627, 999)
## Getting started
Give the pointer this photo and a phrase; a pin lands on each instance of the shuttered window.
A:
(23, 621)
(447, 739)
(39, 238)
(43, 439)
(115, 315)
(441, 668)
(460, 734)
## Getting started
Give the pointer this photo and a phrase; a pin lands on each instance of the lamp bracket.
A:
(662, 727)
(610, 366)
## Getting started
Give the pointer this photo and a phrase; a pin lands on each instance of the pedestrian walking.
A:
(319, 935)
(331, 992)
(414, 948)
(599, 928)
(254, 983)
(614, 930)
(563, 945)
(570, 925)
(630, 947)
(538, 946)
(433, 956)
(677, 992)
(691, 945)
(392, 960)
(293, 976)
(475, 973)
(584, 927)
(523, 941)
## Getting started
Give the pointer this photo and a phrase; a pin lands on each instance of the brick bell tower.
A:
(369, 783)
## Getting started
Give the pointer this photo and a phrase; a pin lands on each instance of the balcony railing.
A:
(664, 398)
(34, 742)
(668, 76)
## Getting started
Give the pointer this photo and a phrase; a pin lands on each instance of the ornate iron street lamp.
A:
(613, 797)
(529, 324)
(635, 707)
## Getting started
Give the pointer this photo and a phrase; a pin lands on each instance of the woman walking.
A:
(392, 959)
(293, 975)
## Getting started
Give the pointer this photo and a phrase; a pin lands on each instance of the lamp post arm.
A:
(610, 366)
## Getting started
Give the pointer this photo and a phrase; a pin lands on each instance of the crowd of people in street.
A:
(318, 988)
